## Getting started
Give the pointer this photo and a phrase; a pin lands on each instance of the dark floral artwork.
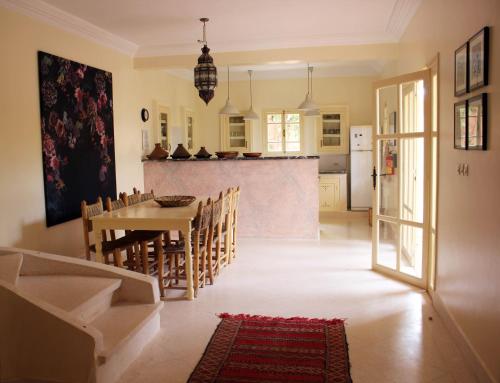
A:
(76, 108)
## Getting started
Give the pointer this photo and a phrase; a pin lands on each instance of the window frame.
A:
(264, 130)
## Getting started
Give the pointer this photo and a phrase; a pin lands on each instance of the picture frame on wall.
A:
(461, 70)
(478, 59)
(477, 122)
(460, 135)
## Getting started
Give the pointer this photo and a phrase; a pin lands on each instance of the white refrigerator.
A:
(361, 167)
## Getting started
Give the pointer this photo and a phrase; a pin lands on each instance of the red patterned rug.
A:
(249, 349)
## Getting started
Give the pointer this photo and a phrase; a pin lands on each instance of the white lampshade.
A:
(229, 109)
(307, 104)
(312, 113)
(250, 115)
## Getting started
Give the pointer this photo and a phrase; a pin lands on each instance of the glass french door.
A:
(401, 158)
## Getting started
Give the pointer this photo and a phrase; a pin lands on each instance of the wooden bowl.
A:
(175, 200)
(252, 155)
(226, 154)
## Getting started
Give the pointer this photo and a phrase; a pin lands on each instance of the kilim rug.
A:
(249, 349)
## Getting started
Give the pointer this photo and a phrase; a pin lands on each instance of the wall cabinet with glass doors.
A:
(236, 133)
(333, 130)
(189, 125)
(162, 123)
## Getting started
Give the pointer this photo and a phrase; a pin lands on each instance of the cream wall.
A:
(468, 268)
(21, 194)
(289, 93)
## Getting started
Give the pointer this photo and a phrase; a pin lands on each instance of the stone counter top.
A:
(193, 159)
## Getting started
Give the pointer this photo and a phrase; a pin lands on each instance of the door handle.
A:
(374, 178)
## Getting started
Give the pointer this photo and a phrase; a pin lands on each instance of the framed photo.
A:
(461, 125)
(461, 70)
(478, 59)
(477, 122)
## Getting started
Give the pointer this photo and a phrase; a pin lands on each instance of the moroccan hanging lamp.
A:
(205, 73)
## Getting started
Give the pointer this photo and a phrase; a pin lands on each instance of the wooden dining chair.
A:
(199, 243)
(132, 199)
(142, 260)
(114, 246)
(214, 239)
(225, 241)
(235, 200)
(147, 196)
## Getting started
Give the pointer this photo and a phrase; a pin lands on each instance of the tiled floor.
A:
(390, 335)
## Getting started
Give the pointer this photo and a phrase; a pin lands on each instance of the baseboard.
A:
(481, 371)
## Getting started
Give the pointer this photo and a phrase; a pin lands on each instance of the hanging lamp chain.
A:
(228, 82)
(311, 70)
(251, 98)
(204, 21)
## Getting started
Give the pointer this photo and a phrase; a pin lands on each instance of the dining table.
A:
(148, 215)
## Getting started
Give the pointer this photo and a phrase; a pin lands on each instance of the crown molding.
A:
(54, 16)
(270, 43)
(402, 13)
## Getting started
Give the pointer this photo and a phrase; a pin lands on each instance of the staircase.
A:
(99, 305)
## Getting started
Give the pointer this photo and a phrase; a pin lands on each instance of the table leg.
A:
(188, 263)
(98, 245)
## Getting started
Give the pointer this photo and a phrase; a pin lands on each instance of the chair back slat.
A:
(235, 202)
(227, 203)
(89, 211)
(130, 200)
(203, 217)
(217, 210)
(147, 196)
(114, 205)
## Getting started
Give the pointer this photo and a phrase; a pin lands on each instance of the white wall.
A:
(468, 267)
(22, 204)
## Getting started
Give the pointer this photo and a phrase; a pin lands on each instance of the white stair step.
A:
(126, 329)
(82, 296)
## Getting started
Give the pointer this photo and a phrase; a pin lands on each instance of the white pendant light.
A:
(229, 109)
(250, 114)
(308, 103)
(312, 113)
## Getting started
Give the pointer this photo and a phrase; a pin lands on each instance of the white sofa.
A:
(70, 320)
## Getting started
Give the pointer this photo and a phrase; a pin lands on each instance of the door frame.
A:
(424, 75)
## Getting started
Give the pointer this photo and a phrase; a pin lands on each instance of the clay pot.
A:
(158, 153)
(202, 153)
(181, 152)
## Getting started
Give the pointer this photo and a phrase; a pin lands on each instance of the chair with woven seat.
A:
(113, 246)
(175, 251)
(140, 260)
(214, 239)
(225, 237)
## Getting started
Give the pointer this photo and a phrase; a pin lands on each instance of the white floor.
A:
(390, 334)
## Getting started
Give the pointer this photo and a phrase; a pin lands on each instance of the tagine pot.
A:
(158, 153)
(181, 152)
(203, 153)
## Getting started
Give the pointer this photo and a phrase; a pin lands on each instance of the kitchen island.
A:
(279, 195)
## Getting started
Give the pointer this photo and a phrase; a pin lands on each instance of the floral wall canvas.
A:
(76, 110)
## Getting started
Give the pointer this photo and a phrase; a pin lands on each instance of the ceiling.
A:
(156, 28)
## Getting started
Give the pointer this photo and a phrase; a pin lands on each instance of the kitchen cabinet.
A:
(333, 130)
(189, 125)
(236, 133)
(162, 125)
(333, 192)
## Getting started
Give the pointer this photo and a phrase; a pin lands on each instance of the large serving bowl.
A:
(226, 154)
(175, 200)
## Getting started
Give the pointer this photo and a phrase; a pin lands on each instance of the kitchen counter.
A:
(279, 199)
(193, 159)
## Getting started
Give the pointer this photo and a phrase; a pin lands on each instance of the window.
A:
(283, 132)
